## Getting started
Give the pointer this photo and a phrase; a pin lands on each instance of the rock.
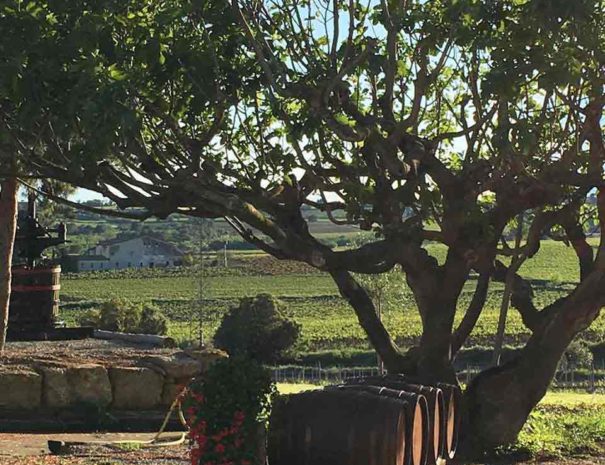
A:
(90, 384)
(170, 391)
(70, 385)
(55, 387)
(135, 388)
(206, 356)
(175, 367)
(20, 389)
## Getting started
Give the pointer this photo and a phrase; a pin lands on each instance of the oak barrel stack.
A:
(417, 424)
(382, 420)
(435, 410)
(337, 428)
(34, 302)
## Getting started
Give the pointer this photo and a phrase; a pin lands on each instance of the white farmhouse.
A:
(138, 252)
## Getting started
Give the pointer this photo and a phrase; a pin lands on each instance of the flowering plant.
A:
(227, 411)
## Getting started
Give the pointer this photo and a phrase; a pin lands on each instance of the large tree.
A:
(422, 121)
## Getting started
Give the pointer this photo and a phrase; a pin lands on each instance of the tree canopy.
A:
(420, 121)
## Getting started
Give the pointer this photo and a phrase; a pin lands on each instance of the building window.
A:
(117, 264)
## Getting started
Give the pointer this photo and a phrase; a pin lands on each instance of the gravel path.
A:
(31, 449)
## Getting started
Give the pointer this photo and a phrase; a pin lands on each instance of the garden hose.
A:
(63, 447)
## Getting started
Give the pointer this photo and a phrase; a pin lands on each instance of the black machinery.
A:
(34, 303)
(32, 238)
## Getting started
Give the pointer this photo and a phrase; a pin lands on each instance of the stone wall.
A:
(153, 383)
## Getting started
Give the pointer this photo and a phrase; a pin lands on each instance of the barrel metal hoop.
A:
(25, 288)
(30, 271)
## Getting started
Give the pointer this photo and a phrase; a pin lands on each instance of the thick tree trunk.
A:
(8, 227)
(437, 298)
(499, 400)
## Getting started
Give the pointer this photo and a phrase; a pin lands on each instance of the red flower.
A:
(201, 440)
(196, 454)
(219, 448)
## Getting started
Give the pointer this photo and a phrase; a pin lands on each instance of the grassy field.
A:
(311, 297)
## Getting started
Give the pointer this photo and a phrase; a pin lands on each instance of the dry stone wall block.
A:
(135, 388)
(56, 392)
(89, 383)
(175, 367)
(20, 389)
(205, 357)
(170, 391)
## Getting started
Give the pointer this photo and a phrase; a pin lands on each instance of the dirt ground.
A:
(31, 449)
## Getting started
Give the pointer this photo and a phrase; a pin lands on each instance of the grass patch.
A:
(291, 388)
(562, 431)
(573, 399)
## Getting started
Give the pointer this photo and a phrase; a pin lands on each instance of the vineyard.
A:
(311, 297)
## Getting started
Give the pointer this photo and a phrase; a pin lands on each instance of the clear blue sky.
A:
(83, 195)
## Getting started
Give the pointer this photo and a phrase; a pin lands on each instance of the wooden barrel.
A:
(417, 425)
(436, 408)
(34, 302)
(452, 398)
(337, 428)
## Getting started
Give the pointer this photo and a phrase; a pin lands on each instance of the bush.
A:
(227, 411)
(258, 329)
(152, 321)
(126, 317)
(90, 318)
(120, 315)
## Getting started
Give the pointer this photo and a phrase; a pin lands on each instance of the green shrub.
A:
(228, 410)
(90, 318)
(152, 321)
(120, 315)
(126, 317)
(258, 329)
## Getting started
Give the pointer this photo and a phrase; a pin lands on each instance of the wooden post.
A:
(8, 228)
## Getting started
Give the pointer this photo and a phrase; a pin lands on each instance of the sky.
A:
(82, 195)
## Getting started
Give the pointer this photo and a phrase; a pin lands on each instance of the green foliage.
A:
(227, 411)
(127, 317)
(119, 315)
(563, 431)
(152, 321)
(258, 329)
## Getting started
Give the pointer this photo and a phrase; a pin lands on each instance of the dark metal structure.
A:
(34, 303)
(32, 238)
